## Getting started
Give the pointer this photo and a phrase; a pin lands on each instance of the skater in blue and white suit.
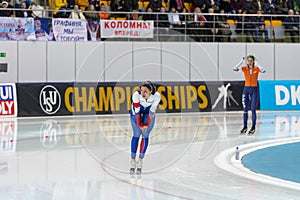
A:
(142, 114)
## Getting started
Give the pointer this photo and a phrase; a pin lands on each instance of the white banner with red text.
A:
(126, 29)
(69, 29)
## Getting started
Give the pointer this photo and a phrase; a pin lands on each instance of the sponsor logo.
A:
(227, 96)
(50, 99)
(7, 100)
(287, 95)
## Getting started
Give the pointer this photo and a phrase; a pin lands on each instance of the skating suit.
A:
(142, 113)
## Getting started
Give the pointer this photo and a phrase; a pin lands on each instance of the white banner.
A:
(126, 29)
(69, 29)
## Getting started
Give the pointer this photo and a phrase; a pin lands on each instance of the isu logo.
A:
(50, 99)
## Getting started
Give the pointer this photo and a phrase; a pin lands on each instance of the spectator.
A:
(236, 6)
(257, 5)
(247, 5)
(177, 4)
(130, 5)
(212, 31)
(95, 3)
(260, 27)
(224, 26)
(198, 26)
(155, 5)
(224, 5)
(23, 12)
(135, 15)
(291, 24)
(37, 10)
(215, 4)
(149, 15)
(70, 4)
(174, 19)
(116, 5)
(198, 3)
(294, 4)
(249, 26)
(59, 4)
(282, 7)
(5, 12)
(91, 13)
(63, 12)
(163, 20)
(76, 13)
(103, 14)
(271, 7)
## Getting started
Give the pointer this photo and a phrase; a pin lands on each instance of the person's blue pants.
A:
(136, 135)
(250, 99)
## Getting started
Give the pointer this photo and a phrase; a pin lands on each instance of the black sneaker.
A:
(244, 130)
(252, 130)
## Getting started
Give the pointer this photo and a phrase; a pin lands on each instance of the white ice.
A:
(88, 157)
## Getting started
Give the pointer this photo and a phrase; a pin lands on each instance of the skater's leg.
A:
(135, 137)
(145, 139)
(245, 102)
(254, 102)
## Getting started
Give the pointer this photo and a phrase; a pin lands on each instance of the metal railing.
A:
(216, 28)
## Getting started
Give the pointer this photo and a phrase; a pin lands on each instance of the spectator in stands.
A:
(23, 12)
(59, 4)
(174, 19)
(282, 8)
(202, 4)
(37, 10)
(177, 4)
(134, 15)
(103, 14)
(63, 12)
(5, 12)
(246, 25)
(149, 15)
(236, 6)
(155, 5)
(91, 13)
(257, 5)
(214, 4)
(225, 5)
(116, 5)
(224, 26)
(294, 4)
(70, 4)
(247, 5)
(95, 3)
(198, 26)
(260, 27)
(163, 22)
(291, 24)
(130, 5)
(76, 13)
(212, 31)
(271, 7)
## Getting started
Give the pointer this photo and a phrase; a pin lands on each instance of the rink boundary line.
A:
(226, 161)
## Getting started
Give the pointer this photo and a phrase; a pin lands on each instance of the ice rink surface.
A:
(87, 157)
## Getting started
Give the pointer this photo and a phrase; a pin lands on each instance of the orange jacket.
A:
(251, 76)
